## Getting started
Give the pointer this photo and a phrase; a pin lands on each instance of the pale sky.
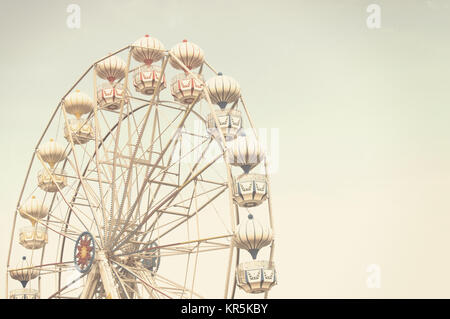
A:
(362, 114)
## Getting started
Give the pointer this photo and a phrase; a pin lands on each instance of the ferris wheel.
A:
(144, 188)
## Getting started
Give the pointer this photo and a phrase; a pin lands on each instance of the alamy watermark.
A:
(258, 143)
(374, 19)
(73, 20)
(373, 280)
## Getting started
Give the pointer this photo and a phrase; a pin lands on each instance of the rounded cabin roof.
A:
(111, 68)
(147, 50)
(78, 103)
(251, 235)
(223, 89)
(245, 152)
(52, 152)
(190, 54)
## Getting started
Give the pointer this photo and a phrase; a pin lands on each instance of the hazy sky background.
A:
(363, 114)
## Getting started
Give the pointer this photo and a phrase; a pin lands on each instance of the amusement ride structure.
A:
(140, 188)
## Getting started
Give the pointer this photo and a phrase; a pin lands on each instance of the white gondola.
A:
(24, 272)
(185, 88)
(33, 237)
(78, 103)
(52, 152)
(111, 68)
(33, 210)
(25, 293)
(190, 54)
(245, 152)
(80, 130)
(230, 122)
(45, 181)
(223, 89)
(109, 96)
(250, 190)
(251, 235)
(256, 276)
(146, 79)
(147, 50)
